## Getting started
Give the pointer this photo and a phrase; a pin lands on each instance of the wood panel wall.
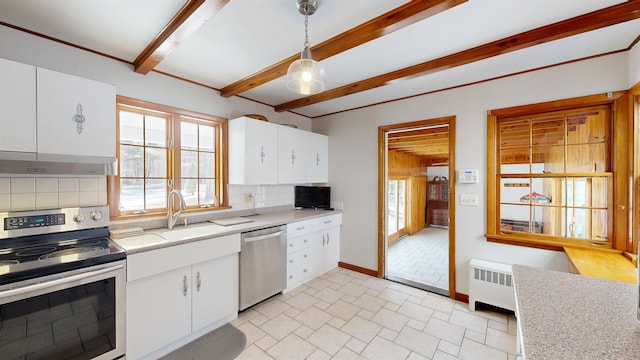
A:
(412, 168)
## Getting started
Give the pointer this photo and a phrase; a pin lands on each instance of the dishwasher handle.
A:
(262, 237)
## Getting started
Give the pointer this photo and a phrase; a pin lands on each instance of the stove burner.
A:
(72, 254)
(34, 251)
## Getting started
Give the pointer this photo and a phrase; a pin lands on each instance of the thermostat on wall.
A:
(468, 176)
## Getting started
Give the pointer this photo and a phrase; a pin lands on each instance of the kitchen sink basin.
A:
(186, 233)
(141, 240)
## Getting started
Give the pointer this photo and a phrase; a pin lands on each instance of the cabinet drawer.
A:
(300, 228)
(298, 275)
(298, 243)
(327, 222)
(298, 258)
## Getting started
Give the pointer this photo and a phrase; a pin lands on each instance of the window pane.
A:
(190, 191)
(131, 125)
(131, 163)
(587, 127)
(392, 222)
(131, 195)
(155, 131)
(206, 192)
(156, 194)
(156, 162)
(207, 138)
(514, 218)
(548, 131)
(587, 158)
(515, 161)
(514, 134)
(549, 159)
(189, 164)
(207, 165)
(401, 204)
(188, 135)
(513, 189)
(599, 221)
(599, 193)
(554, 221)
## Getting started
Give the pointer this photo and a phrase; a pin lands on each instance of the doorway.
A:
(416, 244)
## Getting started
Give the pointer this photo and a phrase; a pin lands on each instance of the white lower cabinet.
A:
(178, 293)
(313, 248)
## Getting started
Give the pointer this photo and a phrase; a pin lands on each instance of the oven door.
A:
(73, 315)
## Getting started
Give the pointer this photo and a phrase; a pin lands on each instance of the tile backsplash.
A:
(34, 193)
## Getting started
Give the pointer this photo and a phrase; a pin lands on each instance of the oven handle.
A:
(31, 288)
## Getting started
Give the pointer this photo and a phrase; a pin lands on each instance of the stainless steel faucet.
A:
(173, 218)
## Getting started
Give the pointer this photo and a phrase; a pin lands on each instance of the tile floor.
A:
(422, 257)
(347, 315)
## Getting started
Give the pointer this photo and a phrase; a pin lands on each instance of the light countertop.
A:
(570, 316)
(149, 240)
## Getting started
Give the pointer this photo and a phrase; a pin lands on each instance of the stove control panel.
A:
(26, 222)
(37, 222)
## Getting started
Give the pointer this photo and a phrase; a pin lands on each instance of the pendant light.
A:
(305, 75)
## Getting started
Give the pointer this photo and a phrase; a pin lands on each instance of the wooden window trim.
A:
(622, 168)
(176, 114)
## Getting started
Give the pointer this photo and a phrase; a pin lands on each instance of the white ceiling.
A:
(246, 36)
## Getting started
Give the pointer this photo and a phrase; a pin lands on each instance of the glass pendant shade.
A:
(305, 75)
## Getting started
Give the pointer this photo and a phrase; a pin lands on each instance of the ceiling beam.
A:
(187, 21)
(612, 15)
(384, 24)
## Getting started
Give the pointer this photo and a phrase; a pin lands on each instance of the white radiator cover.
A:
(491, 283)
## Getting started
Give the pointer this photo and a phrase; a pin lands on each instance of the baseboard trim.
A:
(359, 269)
(462, 297)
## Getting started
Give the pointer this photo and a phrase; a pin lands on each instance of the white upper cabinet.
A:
(76, 116)
(263, 153)
(292, 155)
(317, 158)
(253, 152)
(17, 107)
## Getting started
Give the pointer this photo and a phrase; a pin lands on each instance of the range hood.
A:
(24, 163)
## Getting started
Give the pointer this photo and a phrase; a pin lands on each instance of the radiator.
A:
(491, 283)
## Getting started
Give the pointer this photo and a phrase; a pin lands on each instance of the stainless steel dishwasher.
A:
(263, 264)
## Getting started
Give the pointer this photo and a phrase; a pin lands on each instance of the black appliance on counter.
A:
(312, 197)
(62, 285)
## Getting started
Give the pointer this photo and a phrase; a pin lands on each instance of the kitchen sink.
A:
(141, 240)
(192, 232)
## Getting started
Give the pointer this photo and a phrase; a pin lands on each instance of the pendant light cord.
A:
(306, 33)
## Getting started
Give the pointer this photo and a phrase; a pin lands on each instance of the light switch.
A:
(468, 200)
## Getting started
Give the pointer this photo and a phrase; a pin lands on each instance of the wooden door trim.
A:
(382, 166)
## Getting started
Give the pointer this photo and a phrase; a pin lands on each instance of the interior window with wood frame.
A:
(161, 148)
(558, 173)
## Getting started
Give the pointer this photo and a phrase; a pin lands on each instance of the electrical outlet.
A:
(248, 197)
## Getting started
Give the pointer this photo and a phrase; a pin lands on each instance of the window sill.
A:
(546, 242)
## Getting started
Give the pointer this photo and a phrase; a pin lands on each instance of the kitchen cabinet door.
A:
(17, 107)
(292, 155)
(331, 248)
(158, 311)
(215, 287)
(253, 152)
(63, 99)
(318, 156)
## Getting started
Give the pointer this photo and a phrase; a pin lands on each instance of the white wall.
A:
(353, 155)
(154, 87)
(634, 65)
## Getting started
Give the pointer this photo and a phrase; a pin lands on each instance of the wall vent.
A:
(491, 283)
